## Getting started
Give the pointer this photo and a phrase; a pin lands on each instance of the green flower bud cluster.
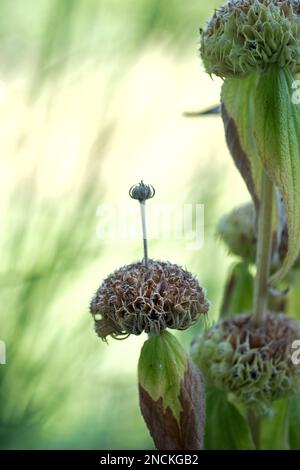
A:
(237, 230)
(254, 363)
(245, 36)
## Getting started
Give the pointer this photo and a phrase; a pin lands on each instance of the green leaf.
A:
(275, 429)
(162, 365)
(277, 131)
(294, 423)
(226, 428)
(238, 292)
(238, 118)
(172, 395)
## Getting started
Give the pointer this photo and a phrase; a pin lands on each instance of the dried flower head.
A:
(252, 362)
(246, 36)
(138, 298)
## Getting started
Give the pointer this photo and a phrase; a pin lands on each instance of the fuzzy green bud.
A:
(246, 36)
(237, 230)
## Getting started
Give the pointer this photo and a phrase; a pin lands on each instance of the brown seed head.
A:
(136, 299)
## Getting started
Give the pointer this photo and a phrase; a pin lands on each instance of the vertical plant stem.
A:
(264, 249)
(263, 264)
(144, 228)
(255, 427)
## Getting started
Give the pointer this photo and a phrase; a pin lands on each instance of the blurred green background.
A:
(92, 96)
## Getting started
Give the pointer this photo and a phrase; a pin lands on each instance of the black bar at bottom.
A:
(134, 459)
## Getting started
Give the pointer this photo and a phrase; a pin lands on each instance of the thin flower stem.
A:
(142, 192)
(264, 249)
(255, 427)
(144, 228)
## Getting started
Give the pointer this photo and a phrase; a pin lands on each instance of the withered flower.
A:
(138, 298)
(150, 296)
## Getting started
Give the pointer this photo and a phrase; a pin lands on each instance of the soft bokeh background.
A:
(92, 96)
